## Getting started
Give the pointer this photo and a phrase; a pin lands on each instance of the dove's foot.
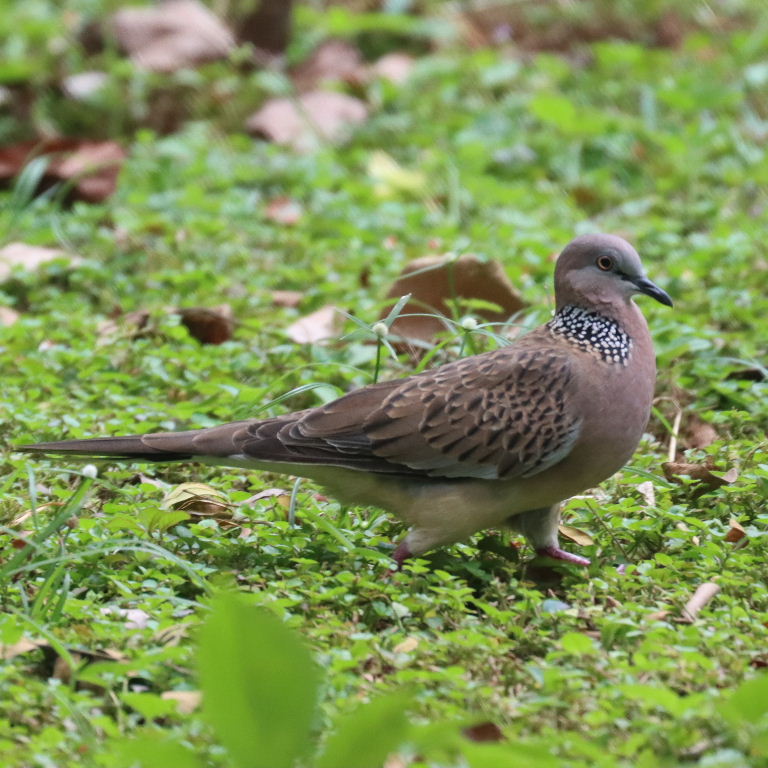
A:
(401, 554)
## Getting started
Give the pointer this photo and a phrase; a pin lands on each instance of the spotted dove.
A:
(495, 439)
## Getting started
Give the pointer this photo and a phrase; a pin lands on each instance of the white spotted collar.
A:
(592, 332)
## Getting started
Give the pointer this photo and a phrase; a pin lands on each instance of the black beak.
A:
(649, 288)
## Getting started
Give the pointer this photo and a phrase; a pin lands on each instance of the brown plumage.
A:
(497, 438)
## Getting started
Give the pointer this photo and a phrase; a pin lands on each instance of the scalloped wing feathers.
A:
(504, 414)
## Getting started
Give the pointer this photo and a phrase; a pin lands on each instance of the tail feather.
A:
(123, 448)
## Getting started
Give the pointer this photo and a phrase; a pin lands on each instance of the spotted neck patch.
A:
(592, 332)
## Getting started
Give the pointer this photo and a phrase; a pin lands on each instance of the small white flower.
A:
(380, 329)
(469, 323)
(89, 470)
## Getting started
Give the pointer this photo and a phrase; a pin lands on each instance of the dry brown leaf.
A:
(308, 121)
(703, 594)
(213, 325)
(94, 167)
(289, 299)
(28, 257)
(8, 316)
(172, 35)
(91, 167)
(24, 645)
(484, 732)
(27, 514)
(699, 433)
(199, 500)
(186, 701)
(321, 325)
(502, 23)
(407, 645)
(395, 67)
(433, 281)
(108, 654)
(736, 532)
(284, 210)
(702, 472)
(268, 493)
(576, 535)
(332, 60)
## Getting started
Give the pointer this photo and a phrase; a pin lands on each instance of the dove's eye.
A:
(604, 262)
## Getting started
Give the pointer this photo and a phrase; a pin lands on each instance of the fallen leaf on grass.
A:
(395, 67)
(702, 472)
(576, 535)
(173, 35)
(199, 500)
(213, 325)
(186, 701)
(22, 539)
(321, 325)
(501, 23)
(25, 645)
(703, 594)
(484, 732)
(28, 257)
(290, 299)
(433, 281)
(8, 652)
(91, 167)
(94, 167)
(333, 59)
(736, 532)
(28, 513)
(308, 121)
(268, 493)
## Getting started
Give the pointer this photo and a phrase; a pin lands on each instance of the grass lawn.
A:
(498, 152)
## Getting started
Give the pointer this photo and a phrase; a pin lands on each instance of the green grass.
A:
(665, 146)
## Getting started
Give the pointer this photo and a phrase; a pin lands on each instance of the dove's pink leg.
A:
(401, 554)
(560, 554)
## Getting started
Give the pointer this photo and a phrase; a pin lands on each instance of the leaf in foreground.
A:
(368, 735)
(259, 685)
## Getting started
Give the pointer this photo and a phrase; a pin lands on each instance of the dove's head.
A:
(601, 272)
